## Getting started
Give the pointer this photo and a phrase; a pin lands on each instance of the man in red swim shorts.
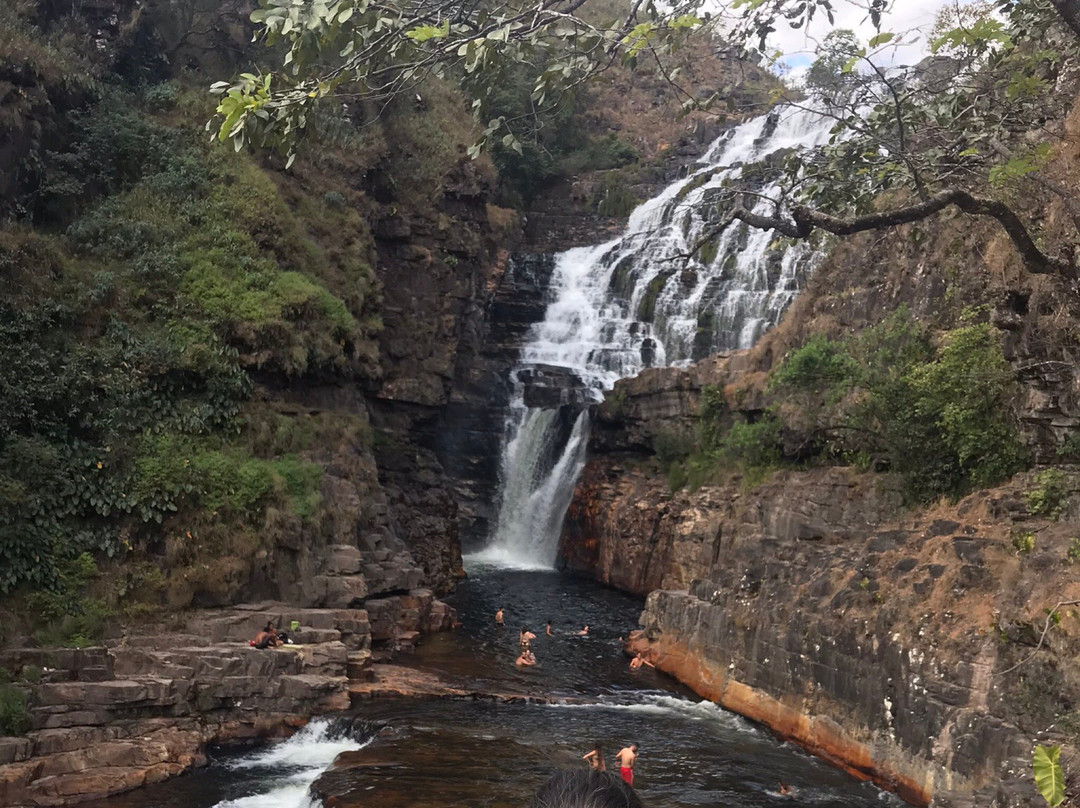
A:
(626, 757)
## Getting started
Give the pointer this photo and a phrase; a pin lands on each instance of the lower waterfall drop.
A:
(635, 302)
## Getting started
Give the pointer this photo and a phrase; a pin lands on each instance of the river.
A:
(484, 752)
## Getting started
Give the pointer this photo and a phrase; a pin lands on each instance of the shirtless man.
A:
(627, 757)
(499, 617)
(267, 638)
(526, 660)
(638, 661)
(547, 629)
(584, 632)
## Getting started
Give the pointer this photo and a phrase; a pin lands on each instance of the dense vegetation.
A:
(934, 410)
(153, 284)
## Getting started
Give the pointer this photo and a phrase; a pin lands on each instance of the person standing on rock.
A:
(596, 758)
(499, 617)
(627, 757)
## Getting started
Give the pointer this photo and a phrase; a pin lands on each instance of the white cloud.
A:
(913, 17)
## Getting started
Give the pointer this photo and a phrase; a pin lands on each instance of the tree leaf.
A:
(1049, 778)
(881, 39)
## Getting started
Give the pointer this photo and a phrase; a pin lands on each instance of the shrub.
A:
(1023, 542)
(935, 414)
(754, 445)
(14, 716)
(1049, 493)
(821, 364)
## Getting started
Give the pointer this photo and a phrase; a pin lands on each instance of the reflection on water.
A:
(466, 753)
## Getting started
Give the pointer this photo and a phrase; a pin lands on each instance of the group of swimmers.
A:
(526, 658)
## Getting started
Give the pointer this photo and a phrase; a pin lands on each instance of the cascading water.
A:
(634, 303)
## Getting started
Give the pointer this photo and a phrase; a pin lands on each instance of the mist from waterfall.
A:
(633, 303)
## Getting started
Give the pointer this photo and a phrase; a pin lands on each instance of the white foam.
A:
(671, 706)
(292, 766)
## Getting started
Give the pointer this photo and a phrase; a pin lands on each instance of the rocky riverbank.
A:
(113, 718)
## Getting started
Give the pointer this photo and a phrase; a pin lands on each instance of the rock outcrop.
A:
(110, 719)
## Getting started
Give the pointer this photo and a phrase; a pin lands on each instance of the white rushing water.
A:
(291, 766)
(633, 303)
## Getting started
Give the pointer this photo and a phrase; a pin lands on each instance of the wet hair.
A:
(585, 789)
(634, 745)
(269, 625)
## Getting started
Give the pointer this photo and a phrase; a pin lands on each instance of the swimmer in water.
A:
(526, 660)
(584, 632)
(499, 617)
(640, 660)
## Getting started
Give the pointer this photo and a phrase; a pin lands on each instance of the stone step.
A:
(360, 666)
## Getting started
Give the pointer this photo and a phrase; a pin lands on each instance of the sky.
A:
(906, 15)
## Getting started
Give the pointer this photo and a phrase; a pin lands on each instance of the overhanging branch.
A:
(804, 220)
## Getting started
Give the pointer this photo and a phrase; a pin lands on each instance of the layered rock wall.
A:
(900, 643)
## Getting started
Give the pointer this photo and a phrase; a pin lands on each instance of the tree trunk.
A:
(1069, 11)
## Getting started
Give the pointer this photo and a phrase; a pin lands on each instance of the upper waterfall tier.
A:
(636, 301)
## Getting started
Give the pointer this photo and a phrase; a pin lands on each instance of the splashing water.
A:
(293, 765)
(633, 303)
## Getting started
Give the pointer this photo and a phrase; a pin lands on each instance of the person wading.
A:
(595, 758)
(627, 757)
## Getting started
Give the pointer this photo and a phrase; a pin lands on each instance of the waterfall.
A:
(632, 303)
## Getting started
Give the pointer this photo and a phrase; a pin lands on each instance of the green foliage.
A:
(538, 54)
(1070, 448)
(935, 412)
(1073, 553)
(1049, 777)
(820, 364)
(14, 715)
(754, 445)
(129, 338)
(65, 614)
(1047, 497)
(1023, 542)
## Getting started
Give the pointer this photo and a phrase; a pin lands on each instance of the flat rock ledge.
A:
(113, 718)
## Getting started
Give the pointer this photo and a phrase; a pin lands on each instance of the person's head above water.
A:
(585, 789)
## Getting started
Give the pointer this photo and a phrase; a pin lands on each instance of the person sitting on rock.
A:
(267, 638)
(640, 660)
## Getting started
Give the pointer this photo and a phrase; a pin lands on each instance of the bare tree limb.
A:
(804, 220)
(1042, 637)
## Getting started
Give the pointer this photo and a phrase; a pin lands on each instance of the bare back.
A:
(626, 757)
